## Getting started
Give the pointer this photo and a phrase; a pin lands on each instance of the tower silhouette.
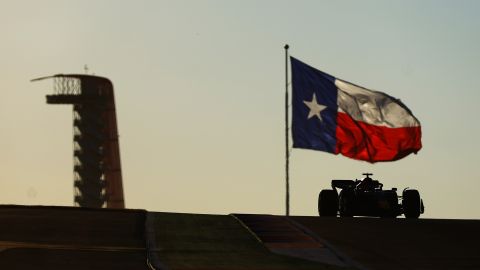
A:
(96, 151)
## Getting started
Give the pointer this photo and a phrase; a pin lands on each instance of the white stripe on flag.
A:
(372, 107)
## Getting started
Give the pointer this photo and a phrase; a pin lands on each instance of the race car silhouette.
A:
(367, 198)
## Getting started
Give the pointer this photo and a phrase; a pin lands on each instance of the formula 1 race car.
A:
(367, 198)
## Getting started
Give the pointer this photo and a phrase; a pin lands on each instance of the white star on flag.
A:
(315, 108)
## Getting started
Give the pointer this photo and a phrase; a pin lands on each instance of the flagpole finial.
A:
(286, 47)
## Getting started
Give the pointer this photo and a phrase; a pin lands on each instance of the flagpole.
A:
(287, 154)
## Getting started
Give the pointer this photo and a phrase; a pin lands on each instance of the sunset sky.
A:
(199, 91)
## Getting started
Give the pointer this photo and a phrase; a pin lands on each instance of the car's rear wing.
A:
(341, 184)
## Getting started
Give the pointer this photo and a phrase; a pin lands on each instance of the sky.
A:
(199, 91)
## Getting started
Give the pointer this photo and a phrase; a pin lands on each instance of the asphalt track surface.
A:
(193, 241)
(101, 239)
(71, 238)
(401, 243)
(75, 238)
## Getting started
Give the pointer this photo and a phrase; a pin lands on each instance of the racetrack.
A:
(79, 238)
(401, 243)
(50, 238)
(71, 238)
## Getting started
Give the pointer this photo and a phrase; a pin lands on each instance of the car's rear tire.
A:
(328, 203)
(411, 203)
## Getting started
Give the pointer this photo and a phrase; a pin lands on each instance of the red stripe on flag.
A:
(362, 141)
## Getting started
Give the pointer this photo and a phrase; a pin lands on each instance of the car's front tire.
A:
(389, 204)
(412, 205)
(346, 202)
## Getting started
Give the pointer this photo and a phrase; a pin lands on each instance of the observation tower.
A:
(96, 151)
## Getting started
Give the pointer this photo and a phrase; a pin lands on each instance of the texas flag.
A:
(336, 116)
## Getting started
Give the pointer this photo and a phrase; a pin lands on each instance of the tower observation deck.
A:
(96, 151)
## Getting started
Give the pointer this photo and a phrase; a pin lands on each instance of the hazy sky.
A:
(200, 97)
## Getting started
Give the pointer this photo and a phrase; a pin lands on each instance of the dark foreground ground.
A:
(402, 243)
(74, 238)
